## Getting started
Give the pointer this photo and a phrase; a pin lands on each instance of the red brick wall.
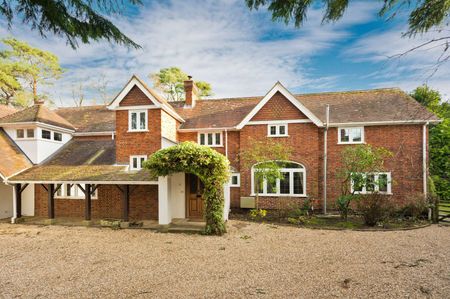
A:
(405, 141)
(135, 97)
(303, 139)
(137, 143)
(143, 203)
(278, 107)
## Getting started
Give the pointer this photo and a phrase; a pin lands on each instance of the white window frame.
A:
(277, 130)
(377, 187)
(291, 183)
(138, 113)
(139, 163)
(214, 144)
(238, 175)
(42, 132)
(350, 135)
(54, 136)
(76, 193)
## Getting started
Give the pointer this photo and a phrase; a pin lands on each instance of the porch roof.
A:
(90, 161)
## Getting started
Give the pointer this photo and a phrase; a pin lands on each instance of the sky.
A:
(243, 53)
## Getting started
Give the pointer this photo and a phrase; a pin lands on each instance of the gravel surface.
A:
(252, 260)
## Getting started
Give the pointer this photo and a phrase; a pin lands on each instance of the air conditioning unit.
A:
(248, 203)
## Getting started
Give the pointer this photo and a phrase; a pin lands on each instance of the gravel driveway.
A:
(252, 260)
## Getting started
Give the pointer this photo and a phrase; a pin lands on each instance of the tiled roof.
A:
(90, 118)
(12, 159)
(377, 105)
(6, 110)
(37, 113)
(220, 113)
(388, 104)
(83, 160)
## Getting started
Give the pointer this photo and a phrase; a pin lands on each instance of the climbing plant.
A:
(211, 167)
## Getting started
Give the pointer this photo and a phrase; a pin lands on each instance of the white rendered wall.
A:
(37, 149)
(28, 201)
(6, 201)
(177, 195)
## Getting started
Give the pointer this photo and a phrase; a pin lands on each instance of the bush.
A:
(374, 208)
(343, 205)
(415, 207)
(257, 214)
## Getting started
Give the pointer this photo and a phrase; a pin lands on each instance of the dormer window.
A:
(137, 120)
(20, 133)
(46, 134)
(213, 139)
(57, 136)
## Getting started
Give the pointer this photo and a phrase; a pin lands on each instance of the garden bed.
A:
(332, 221)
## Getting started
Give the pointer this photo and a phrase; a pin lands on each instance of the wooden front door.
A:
(194, 197)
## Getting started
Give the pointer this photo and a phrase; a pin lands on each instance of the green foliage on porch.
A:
(210, 166)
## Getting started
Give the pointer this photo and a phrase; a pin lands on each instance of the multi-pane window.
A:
(235, 180)
(351, 135)
(363, 183)
(291, 183)
(22, 133)
(73, 191)
(57, 136)
(210, 139)
(277, 130)
(136, 162)
(46, 134)
(137, 120)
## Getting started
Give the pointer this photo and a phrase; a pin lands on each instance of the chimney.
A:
(191, 92)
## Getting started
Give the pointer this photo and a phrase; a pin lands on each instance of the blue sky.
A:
(243, 53)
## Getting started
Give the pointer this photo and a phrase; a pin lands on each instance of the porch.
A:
(171, 203)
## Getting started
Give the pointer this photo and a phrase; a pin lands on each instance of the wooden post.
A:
(87, 202)
(18, 191)
(126, 203)
(51, 201)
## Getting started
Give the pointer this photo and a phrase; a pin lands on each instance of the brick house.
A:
(86, 161)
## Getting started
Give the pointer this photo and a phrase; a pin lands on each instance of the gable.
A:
(135, 97)
(278, 108)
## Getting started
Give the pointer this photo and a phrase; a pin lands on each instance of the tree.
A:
(171, 82)
(31, 65)
(9, 80)
(78, 94)
(75, 20)
(439, 139)
(266, 157)
(357, 163)
(423, 16)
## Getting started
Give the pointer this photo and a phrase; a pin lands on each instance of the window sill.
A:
(77, 198)
(235, 186)
(211, 145)
(369, 193)
(280, 195)
(137, 131)
(277, 136)
(344, 143)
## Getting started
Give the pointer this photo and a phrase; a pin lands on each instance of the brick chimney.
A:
(191, 92)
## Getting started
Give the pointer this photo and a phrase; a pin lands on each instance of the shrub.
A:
(374, 208)
(257, 214)
(343, 205)
(415, 207)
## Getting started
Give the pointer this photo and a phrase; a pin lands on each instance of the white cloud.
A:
(406, 71)
(239, 52)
